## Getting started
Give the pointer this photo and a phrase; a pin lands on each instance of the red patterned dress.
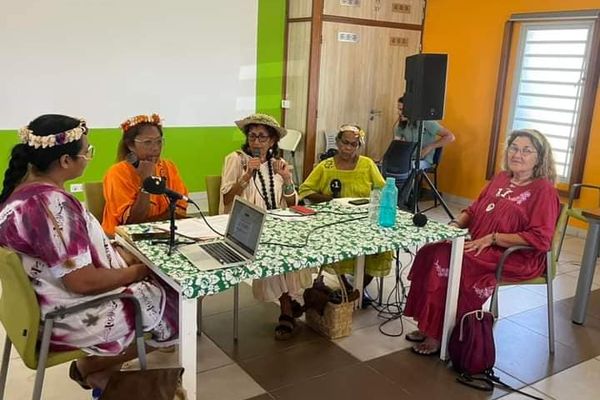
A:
(530, 211)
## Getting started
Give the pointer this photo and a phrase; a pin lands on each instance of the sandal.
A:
(75, 375)
(286, 328)
(297, 309)
(423, 350)
(415, 337)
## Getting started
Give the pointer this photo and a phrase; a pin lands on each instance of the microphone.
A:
(336, 188)
(132, 159)
(419, 220)
(255, 154)
(157, 185)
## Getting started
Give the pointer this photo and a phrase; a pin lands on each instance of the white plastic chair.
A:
(330, 140)
(289, 143)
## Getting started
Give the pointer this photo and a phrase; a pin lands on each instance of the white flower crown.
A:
(60, 138)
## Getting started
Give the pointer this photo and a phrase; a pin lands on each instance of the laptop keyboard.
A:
(222, 253)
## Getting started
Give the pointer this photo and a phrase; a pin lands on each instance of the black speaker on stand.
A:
(425, 76)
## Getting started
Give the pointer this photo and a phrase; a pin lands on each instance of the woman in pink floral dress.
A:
(69, 259)
(519, 206)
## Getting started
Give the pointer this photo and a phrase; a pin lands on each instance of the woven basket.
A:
(336, 321)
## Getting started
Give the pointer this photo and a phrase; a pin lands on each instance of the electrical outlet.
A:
(285, 104)
(76, 187)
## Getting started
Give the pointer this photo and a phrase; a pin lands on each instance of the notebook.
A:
(239, 244)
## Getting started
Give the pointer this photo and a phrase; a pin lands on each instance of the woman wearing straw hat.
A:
(256, 174)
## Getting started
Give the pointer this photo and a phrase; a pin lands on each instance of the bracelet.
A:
(289, 188)
(494, 238)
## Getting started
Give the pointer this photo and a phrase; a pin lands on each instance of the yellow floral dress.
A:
(355, 183)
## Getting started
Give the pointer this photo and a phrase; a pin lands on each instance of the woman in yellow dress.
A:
(356, 175)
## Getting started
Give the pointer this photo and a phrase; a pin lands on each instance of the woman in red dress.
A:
(519, 206)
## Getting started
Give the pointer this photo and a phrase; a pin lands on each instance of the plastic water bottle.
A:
(374, 205)
(388, 204)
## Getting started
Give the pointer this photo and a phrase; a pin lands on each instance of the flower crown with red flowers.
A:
(140, 119)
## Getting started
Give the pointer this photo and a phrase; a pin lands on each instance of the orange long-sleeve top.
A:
(122, 185)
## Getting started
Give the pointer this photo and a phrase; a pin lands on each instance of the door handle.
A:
(374, 113)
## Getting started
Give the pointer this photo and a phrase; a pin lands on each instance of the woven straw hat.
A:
(261, 119)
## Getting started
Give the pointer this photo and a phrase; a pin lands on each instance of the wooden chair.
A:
(94, 198)
(21, 317)
(213, 193)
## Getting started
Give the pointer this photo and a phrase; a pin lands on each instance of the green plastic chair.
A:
(213, 189)
(572, 212)
(545, 279)
(21, 317)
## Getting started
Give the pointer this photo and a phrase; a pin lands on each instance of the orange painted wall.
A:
(470, 31)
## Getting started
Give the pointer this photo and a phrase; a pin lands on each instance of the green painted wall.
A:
(270, 56)
(198, 151)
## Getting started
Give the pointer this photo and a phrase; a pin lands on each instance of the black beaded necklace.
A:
(269, 200)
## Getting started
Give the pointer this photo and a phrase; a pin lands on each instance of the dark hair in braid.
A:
(41, 158)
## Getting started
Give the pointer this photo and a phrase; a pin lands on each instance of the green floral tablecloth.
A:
(335, 233)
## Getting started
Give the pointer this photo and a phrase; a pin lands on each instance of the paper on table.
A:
(196, 227)
(287, 215)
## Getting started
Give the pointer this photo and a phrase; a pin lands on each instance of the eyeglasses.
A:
(260, 138)
(89, 153)
(347, 143)
(525, 151)
(149, 143)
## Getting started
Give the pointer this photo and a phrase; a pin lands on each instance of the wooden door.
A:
(400, 11)
(299, 8)
(296, 87)
(361, 78)
(364, 9)
(345, 82)
(388, 55)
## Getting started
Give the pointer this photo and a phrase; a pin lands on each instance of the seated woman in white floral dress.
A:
(259, 176)
(69, 259)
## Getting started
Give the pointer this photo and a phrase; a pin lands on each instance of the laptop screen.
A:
(245, 224)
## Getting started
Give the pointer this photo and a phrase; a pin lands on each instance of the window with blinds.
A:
(550, 77)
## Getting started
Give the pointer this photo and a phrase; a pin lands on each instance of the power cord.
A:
(393, 308)
(204, 218)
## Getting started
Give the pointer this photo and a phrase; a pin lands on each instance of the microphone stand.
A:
(172, 226)
(419, 173)
(416, 181)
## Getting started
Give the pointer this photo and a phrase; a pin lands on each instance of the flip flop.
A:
(286, 329)
(415, 337)
(75, 375)
(425, 352)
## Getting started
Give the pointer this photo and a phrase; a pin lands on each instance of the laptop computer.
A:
(239, 244)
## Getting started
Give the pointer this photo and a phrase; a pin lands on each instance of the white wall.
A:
(193, 61)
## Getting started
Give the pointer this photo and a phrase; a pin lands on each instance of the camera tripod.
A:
(408, 196)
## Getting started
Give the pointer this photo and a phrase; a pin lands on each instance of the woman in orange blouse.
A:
(138, 158)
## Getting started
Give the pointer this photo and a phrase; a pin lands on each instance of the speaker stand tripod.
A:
(412, 184)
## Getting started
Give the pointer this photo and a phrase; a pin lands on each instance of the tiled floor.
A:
(369, 364)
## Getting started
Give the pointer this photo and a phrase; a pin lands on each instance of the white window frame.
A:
(526, 27)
